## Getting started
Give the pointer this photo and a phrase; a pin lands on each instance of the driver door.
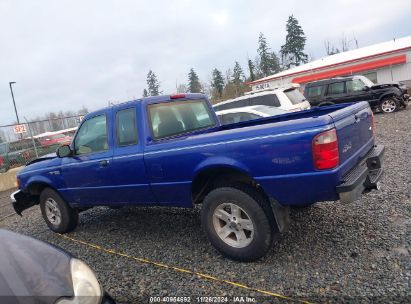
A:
(86, 173)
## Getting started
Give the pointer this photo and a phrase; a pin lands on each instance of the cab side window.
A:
(92, 136)
(126, 127)
(335, 88)
(315, 91)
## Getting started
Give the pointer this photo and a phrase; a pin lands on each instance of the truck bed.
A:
(275, 151)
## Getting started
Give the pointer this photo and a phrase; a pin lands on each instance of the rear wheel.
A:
(238, 222)
(57, 213)
(389, 105)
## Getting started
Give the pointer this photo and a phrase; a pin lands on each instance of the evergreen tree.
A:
(145, 93)
(292, 52)
(257, 68)
(217, 83)
(275, 63)
(238, 79)
(268, 61)
(251, 68)
(194, 85)
(153, 84)
(238, 74)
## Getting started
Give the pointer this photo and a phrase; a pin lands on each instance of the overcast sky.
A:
(66, 54)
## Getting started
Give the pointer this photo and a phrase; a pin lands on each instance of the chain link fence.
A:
(22, 143)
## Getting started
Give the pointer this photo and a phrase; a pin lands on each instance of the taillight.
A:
(177, 96)
(372, 124)
(1, 160)
(325, 150)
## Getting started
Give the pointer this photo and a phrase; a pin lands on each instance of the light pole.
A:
(14, 103)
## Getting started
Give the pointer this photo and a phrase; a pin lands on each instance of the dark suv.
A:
(383, 97)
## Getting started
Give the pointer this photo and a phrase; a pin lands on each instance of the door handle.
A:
(103, 163)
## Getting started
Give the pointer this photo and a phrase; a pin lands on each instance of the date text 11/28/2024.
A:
(203, 299)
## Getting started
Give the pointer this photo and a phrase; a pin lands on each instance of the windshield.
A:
(366, 81)
(295, 96)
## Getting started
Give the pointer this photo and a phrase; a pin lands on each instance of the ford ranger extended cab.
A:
(172, 151)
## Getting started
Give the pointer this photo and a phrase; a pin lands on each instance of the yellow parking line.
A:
(199, 274)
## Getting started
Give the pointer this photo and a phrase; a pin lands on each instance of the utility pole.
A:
(14, 102)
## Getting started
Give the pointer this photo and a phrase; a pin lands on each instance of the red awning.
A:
(352, 69)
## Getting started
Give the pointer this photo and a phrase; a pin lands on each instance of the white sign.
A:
(262, 86)
(18, 129)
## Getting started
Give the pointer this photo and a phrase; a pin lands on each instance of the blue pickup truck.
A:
(172, 151)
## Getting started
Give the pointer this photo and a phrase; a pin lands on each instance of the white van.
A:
(288, 99)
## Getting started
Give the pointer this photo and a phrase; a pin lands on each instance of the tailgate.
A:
(354, 129)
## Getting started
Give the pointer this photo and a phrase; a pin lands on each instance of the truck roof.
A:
(165, 98)
(153, 99)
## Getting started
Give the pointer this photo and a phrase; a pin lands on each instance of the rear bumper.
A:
(363, 177)
(22, 201)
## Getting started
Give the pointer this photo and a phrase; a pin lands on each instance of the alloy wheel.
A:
(388, 106)
(53, 212)
(233, 225)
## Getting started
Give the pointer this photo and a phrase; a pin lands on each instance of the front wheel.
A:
(57, 213)
(389, 105)
(238, 222)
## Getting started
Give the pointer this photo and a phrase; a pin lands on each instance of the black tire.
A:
(395, 105)
(253, 206)
(68, 215)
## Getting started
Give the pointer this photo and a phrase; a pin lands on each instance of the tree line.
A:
(234, 82)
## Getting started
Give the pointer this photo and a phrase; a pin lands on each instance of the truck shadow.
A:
(169, 232)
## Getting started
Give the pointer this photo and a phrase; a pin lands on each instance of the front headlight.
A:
(87, 289)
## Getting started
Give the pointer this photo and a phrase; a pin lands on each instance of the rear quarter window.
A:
(126, 127)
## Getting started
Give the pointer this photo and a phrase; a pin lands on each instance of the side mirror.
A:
(64, 151)
(366, 88)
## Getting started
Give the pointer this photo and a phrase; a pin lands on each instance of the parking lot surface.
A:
(359, 251)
